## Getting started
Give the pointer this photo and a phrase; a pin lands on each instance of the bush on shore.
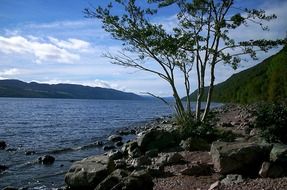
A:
(272, 120)
(204, 130)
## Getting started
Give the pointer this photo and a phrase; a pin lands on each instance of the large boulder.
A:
(112, 180)
(89, 172)
(156, 139)
(118, 180)
(239, 157)
(139, 180)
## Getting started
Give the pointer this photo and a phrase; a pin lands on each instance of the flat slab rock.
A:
(239, 157)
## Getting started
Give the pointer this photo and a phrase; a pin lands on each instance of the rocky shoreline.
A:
(158, 159)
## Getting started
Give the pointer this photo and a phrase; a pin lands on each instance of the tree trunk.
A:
(209, 95)
(198, 102)
(178, 104)
(200, 94)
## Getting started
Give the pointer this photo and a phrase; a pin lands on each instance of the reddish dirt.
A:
(185, 182)
(230, 117)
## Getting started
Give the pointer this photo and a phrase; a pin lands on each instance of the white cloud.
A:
(74, 44)
(63, 24)
(10, 72)
(42, 51)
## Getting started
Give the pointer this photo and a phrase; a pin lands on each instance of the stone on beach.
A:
(46, 160)
(115, 138)
(169, 159)
(112, 180)
(3, 168)
(279, 154)
(115, 154)
(156, 139)
(242, 157)
(3, 145)
(195, 144)
(89, 172)
(108, 147)
(271, 170)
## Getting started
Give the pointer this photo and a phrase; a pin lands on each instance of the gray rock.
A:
(279, 153)
(169, 159)
(232, 179)
(155, 171)
(115, 154)
(119, 143)
(174, 158)
(3, 145)
(156, 139)
(112, 180)
(99, 143)
(195, 144)
(89, 172)
(271, 170)
(264, 169)
(214, 186)
(131, 149)
(115, 138)
(120, 164)
(138, 180)
(46, 160)
(11, 149)
(3, 168)
(152, 153)
(127, 132)
(135, 153)
(141, 161)
(239, 157)
(108, 147)
(30, 152)
(254, 132)
(129, 146)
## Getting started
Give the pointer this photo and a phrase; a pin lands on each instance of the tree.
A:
(146, 43)
(207, 25)
(201, 37)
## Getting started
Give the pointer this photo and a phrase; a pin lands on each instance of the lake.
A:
(63, 128)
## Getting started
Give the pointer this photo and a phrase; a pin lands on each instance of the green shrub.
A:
(272, 120)
(204, 130)
(196, 130)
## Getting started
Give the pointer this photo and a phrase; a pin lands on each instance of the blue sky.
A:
(50, 41)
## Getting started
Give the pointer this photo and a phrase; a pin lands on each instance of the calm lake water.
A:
(63, 128)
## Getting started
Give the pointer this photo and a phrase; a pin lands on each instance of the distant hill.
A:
(16, 88)
(267, 81)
